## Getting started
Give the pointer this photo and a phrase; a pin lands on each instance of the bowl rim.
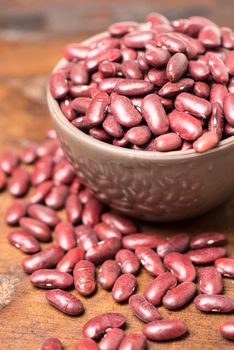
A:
(121, 151)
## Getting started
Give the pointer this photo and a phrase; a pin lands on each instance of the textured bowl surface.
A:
(152, 186)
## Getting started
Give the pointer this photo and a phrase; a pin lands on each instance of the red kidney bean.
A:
(131, 70)
(120, 222)
(44, 214)
(19, 183)
(164, 143)
(210, 36)
(214, 303)
(64, 235)
(104, 43)
(228, 130)
(122, 28)
(210, 281)
(52, 344)
(181, 266)
(227, 330)
(216, 120)
(112, 339)
(84, 277)
(82, 90)
(162, 330)
(227, 37)
(42, 171)
(186, 145)
(156, 290)
(157, 57)
(177, 243)
(77, 51)
(109, 69)
(138, 135)
(157, 77)
(208, 239)
(150, 260)
(198, 70)
(9, 161)
(112, 127)
(73, 209)
(37, 229)
(85, 195)
(103, 250)
(171, 43)
(75, 186)
(123, 142)
(231, 86)
(15, 212)
(138, 39)
(156, 18)
(109, 84)
(29, 153)
(58, 85)
(188, 127)
(132, 241)
(172, 89)
(179, 296)
(23, 241)
(66, 107)
(128, 261)
(133, 341)
(86, 237)
(133, 87)
(2, 180)
(154, 114)
(206, 141)
(124, 287)
(124, 111)
(67, 263)
(65, 302)
(56, 198)
(98, 325)
(80, 104)
(99, 55)
(100, 134)
(201, 89)
(47, 258)
(225, 266)
(217, 93)
(206, 255)
(199, 107)
(176, 66)
(47, 278)
(104, 231)
(47, 148)
(143, 309)
(63, 173)
(92, 212)
(78, 74)
(128, 54)
(40, 192)
(217, 68)
(228, 108)
(108, 273)
(229, 62)
(95, 113)
(86, 344)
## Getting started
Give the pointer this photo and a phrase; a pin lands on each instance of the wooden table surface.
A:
(27, 54)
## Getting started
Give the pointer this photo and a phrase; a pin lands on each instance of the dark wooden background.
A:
(32, 34)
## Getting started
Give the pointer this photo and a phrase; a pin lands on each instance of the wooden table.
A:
(26, 319)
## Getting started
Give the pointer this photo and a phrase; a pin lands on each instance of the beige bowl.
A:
(146, 185)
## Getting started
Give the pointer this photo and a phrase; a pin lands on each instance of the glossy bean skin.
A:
(198, 70)
(131, 70)
(229, 63)
(171, 89)
(63, 173)
(103, 250)
(225, 266)
(42, 171)
(44, 214)
(216, 120)
(65, 302)
(154, 114)
(228, 108)
(208, 239)
(104, 231)
(133, 341)
(177, 243)
(179, 296)
(112, 339)
(58, 85)
(217, 68)
(112, 127)
(15, 212)
(157, 57)
(210, 36)
(197, 106)
(188, 127)
(124, 287)
(133, 87)
(143, 309)
(124, 111)
(95, 113)
(150, 260)
(86, 237)
(164, 143)
(19, 183)
(87, 344)
(158, 77)
(181, 266)
(134, 240)
(48, 278)
(9, 161)
(138, 135)
(37, 229)
(138, 39)
(52, 344)
(127, 261)
(156, 290)
(177, 66)
(98, 325)
(162, 330)
(84, 277)
(211, 281)
(3, 180)
(217, 93)
(40, 192)
(92, 212)
(23, 241)
(227, 330)
(201, 89)
(206, 255)
(47, 258)
(56, 198)
(172, 43)
(73, 209)
(64, 235)
(214, 303)
(206, 142)
(120, 222)
(108, 274)
(69, 260)
(78, 74)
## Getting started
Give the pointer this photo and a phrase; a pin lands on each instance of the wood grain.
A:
(25, 317)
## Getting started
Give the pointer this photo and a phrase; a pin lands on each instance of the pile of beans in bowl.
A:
(158, 86)
(90, 245)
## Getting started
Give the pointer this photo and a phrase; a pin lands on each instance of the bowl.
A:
(151, 186)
